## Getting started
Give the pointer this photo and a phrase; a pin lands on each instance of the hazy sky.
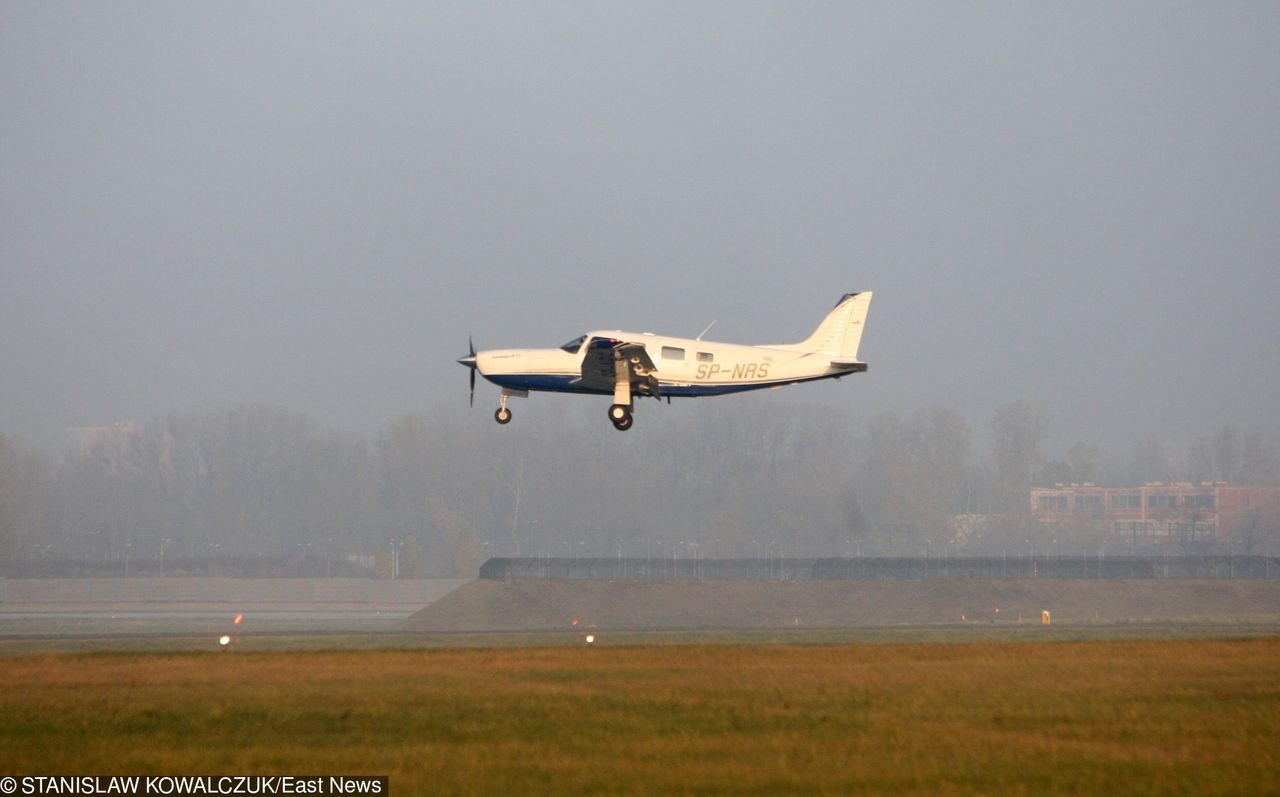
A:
(312, 205)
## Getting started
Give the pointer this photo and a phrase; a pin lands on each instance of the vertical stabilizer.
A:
(841, 331)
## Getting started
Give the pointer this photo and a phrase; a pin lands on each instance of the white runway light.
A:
(591, 639)
(224, 641)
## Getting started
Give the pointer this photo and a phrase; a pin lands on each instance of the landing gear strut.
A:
(620, 412)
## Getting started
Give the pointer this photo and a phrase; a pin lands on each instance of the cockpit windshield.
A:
(574, 345)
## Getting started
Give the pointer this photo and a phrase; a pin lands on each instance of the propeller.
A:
(470, 362)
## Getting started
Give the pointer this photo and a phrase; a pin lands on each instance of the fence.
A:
(884, 568)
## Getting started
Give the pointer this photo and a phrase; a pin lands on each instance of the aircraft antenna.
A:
(705, 331)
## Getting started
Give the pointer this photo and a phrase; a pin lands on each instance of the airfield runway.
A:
(541, 612)
(128, 610)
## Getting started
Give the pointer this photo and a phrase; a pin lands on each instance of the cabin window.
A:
(672, 353)
(706, 357)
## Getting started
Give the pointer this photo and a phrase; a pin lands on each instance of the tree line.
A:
(435, 493)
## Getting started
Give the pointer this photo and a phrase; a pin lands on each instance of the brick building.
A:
(1235, 514)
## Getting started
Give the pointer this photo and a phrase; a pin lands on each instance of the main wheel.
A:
(624, 424)
(503, 415)
(619, 412)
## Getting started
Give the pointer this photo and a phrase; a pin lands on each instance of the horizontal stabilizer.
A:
(851, 367)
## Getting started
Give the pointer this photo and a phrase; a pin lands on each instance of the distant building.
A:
(1160, 510)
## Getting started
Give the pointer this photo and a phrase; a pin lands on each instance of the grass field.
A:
(1181, 716)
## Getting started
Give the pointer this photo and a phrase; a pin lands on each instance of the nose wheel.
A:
(620, 414)
(503, 415)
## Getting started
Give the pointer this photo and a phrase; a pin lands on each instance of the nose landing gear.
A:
(503, 415)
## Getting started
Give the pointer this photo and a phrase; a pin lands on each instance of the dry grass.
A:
(1116, 717)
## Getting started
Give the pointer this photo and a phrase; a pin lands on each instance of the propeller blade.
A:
(470, 362)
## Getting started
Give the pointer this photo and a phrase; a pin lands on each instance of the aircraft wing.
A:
(599, 366)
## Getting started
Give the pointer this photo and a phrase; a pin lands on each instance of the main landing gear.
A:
(620, 414)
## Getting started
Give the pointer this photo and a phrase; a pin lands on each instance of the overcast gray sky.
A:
(313, 204)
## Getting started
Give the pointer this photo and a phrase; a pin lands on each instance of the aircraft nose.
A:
(469, 361)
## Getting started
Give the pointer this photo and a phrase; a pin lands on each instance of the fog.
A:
(309, 208)
(256, 490)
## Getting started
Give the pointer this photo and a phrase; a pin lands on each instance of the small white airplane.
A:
(629, 364)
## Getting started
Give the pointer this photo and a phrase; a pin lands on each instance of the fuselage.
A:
(684, 367)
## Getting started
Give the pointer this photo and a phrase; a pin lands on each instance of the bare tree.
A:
(919, 474)
(1082, 459)
(1259, 531)
(24, 502)
(1258, 460)
(517, 477)
(1017, 431)
(1226, 453)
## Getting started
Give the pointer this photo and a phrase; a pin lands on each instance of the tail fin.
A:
(841, 331)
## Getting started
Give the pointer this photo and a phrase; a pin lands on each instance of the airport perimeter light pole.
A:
(395, 558)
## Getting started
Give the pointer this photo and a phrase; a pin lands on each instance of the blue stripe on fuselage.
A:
(561, 383)
(694, 391)
(556, 383)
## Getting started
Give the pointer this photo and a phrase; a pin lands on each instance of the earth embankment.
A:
(540, 605)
